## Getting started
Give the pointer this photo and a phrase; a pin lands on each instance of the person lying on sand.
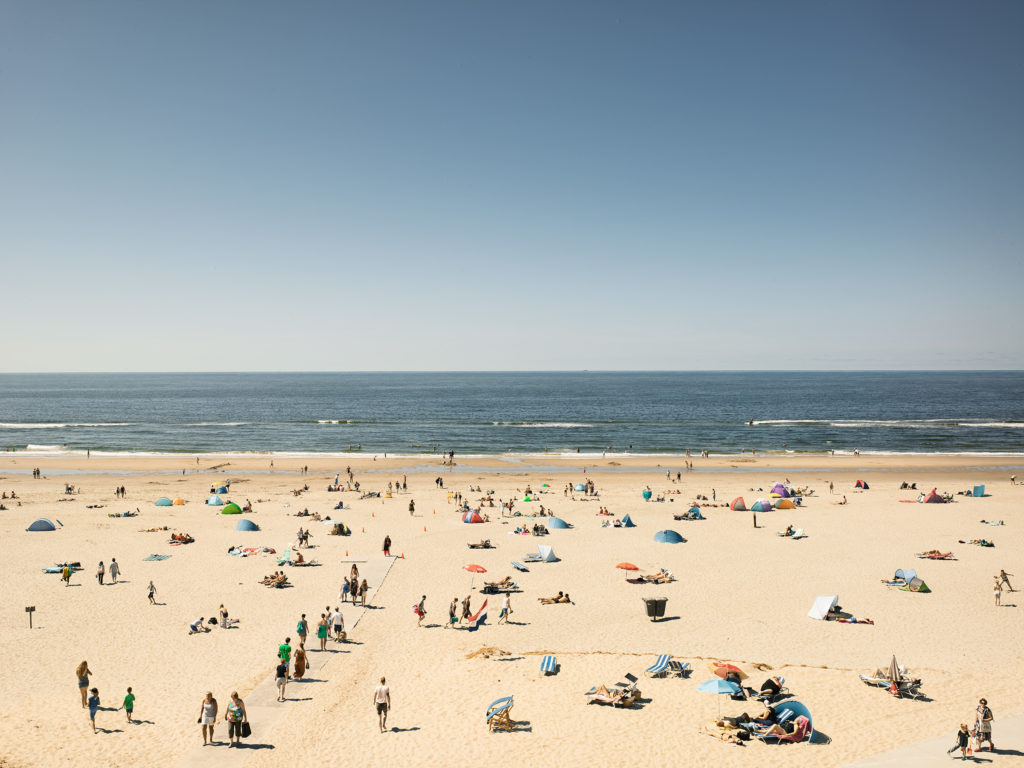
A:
(935, 553)
(559, 598)
(979, 542)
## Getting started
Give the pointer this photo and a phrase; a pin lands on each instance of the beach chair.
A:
(532, 557)
(630, 684)
(520, 567)
(286, 558)
(660, 667)
(680, 668)
(549, 665)
(499, 715)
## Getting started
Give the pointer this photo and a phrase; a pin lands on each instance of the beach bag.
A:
(246, 729)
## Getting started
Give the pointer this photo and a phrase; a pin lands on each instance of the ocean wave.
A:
(541, 424)
(46, 448)
(891, 423)
(213, 424)
(34, 425)
(336, 421)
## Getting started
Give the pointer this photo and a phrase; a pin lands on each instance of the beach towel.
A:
(156, 557)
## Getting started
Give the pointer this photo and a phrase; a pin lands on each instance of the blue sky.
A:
(496, 185)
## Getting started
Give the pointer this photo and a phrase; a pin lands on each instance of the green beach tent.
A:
(231, 509)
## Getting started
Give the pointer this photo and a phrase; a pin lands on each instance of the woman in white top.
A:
(208, 717)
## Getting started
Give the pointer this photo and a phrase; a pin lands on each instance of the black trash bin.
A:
(656, 607)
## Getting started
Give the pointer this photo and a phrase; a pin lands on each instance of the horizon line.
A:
(514, 371)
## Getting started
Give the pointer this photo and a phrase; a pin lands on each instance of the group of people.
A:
(202, 624)
(91, 696)
(235, 716)
(120, 492)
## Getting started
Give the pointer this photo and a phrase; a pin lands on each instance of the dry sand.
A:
(742, 595)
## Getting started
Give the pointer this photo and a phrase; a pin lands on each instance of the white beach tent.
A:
(822, 605)
(547, 554)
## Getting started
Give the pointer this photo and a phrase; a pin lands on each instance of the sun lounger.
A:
(481, 545)
(630, 684)
(660, 667)
(532, 557)
(680, 668)
(498, 589)
(520, 567)
(156, 557)
(499, 715)
(549, 665)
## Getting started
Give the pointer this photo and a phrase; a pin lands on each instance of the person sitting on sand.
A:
(299, 559)
(769, 690)
(789, 530)
(197, 626)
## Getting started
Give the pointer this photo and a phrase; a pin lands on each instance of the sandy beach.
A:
(741, 594)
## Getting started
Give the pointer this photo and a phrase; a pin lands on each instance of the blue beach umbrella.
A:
(719, 686)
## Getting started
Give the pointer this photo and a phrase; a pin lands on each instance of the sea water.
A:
(517, 413)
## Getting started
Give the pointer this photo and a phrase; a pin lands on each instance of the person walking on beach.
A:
(1004, 579)
(115, 570)
(65, 574)
(382, 700)
(421, 611)
(128, 705)
(453, 613)
(302, 629)
(208, 717)
(235, 715)
(506, 609)
(300, 662)
(281, 678)
(94, 705)
(363, 589)
(466, 613)
(338, 620)
(830, 487)
(83, 672)
(321, 631)
(412, 507)
(997, 591)
(387, 546)
(99, 573)
(983, 725)
(152, 593)
(963, 740)
(284, 650)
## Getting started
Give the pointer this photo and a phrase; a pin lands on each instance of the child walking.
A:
(129, 703)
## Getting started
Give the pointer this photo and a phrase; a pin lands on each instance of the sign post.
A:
(29, 609)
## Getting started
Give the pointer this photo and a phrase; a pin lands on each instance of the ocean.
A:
(514, 413)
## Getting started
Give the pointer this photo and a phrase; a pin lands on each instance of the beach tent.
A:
(215, 501)
(179, 502)
(231, 509)
(580, 487)
(627, 522)
(785, 504)
(915, 585)
(163, 501)
(978, 490)
(780, 490)
(222, 489)
(693, 513)
(861, 484)
(738, 504)
(472, 517)
(647, 495)
(904, 574)
(42, 524)
(668, 537)
(822, 605)
(547, 554)
(934, 498)
(246, 525)
(761, 505)
(556, 522)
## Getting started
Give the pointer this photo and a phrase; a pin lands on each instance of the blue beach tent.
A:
(215, 501)
(42, 524)
(668, 537)
(978, 490)
(627, 522)
(222, 489)
(246, 525)
(556, 522)
(761, 505)
(163, 501)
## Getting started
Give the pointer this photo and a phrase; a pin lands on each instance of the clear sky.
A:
(511, 185)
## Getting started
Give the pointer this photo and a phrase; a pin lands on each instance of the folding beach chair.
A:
(499, 715)
(285, 558)
(659, 667)
(680, 668)
(798, 734)
(630, 684)
(549, 665)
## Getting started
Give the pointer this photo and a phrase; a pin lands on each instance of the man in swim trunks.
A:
(382, 700)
